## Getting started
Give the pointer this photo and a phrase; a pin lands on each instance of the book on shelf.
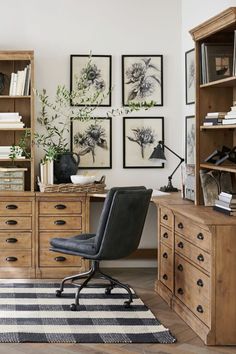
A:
(229, 121)
(211, 115)
(20, 82)
(12, 169)
(224, 211)
(227, 197)
(212, 121)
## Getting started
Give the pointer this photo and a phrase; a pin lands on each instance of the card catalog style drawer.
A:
(15, 208)
(193, 288)
(64, 207)
(166, 266)
(166, 216)
(60, 222)
(196, 255)
(199, 236)
(55, 259)
(45, 237)
(14, 240)
(166, 236)
(15, 223)
(15, 258)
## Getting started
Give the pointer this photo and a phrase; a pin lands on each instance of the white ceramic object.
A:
(80, 179)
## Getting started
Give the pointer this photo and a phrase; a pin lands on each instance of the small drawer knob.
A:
(180, 245)
(180, 267)
(11, 206)
(165, 217)
(11, 222)
(165, 255)
(200, 236)
(180, 291)
(60, 206)
(200, 309)
(165, 277)
(59, 222)
(11, 259)
(60, 259)
(180, 225)
(165, 235)
(11, 240)
(200, 258)
(200, 282)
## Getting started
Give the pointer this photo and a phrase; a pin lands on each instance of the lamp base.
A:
(169, 189)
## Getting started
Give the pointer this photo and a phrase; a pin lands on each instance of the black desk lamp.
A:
(158, 154)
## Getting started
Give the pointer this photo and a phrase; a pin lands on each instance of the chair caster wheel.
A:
(73, 307)
(127, 304)
(58, 293)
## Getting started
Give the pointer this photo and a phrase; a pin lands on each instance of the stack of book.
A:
(214, 118)
(226, 203)
(10, 120)
(230, 117)
(20, 82)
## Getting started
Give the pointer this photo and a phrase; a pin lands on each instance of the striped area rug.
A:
(31, 312)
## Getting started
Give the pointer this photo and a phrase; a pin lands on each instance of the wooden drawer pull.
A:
(165, 255)
(60, 259)
(165, 277)
(11, 222)
(11, 240)
(165, 235)
(11, 206)
(180, 225)
(200, 258)
(200, 282)
(200, 236)
(165, 217)
(11, 259)
(60, 206)
(59, 222)
(180, 267)
(180, 245)
(200, 309)
(180, 291)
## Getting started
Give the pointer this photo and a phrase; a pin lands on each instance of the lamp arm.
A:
(161, 142)
(181, 160)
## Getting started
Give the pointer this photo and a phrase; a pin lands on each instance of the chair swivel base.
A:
(94, 272)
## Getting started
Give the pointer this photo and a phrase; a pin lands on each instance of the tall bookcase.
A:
(12, 62)
(214, 96)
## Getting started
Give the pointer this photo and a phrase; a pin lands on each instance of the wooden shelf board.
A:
(226, 168)
(7, 96)
(18, 160)
(220, 126)
(228, 82)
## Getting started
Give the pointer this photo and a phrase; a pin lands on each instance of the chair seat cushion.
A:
(80, 244)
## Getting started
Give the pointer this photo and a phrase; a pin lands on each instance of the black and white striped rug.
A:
(31, 312)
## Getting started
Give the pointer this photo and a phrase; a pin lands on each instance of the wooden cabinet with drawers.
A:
(59, 215)
(197, 268)
(17, 218)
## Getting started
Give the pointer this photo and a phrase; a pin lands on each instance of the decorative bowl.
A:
(80, 179)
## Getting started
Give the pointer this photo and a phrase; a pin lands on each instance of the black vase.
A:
(65, 166)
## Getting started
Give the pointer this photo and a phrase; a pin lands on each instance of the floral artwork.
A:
(190, 76)
(95, 72)
(190, 140)
(92, 141)
(140, 137)
(142, 78)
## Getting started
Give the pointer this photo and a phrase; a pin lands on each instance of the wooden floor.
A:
(142, 280)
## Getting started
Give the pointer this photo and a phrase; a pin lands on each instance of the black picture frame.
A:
(97, 155)
(219, 61)
(135, 154)
(100, 78)
(190, 76)
(190, 135)
(142, 79)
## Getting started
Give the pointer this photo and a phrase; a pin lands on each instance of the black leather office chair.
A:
(118, 235)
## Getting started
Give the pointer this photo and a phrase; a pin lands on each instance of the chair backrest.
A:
(122, 221)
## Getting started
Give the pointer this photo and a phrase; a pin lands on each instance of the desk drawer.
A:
(45, 237)
(166, 236)
(199, 236)
(58, 208)
(60, 222)
(15, 240)
(166, 216)
(166, 266)
(15, 208)
(55, 259)
(15, 223)
(15, 258)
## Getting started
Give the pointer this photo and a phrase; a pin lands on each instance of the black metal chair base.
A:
(94, 272)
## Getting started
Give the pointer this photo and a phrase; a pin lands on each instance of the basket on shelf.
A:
(95, 187)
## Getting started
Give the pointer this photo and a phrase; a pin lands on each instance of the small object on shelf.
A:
(158, 154)
(82, 179)
(12, 179)
(217, 157)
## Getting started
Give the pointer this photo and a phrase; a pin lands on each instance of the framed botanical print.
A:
(140, 137)
(190, 140)
(190, 76)
(142, 79)
(90, 77)
(92, 141)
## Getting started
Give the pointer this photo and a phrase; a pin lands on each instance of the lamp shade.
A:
(158, 153)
